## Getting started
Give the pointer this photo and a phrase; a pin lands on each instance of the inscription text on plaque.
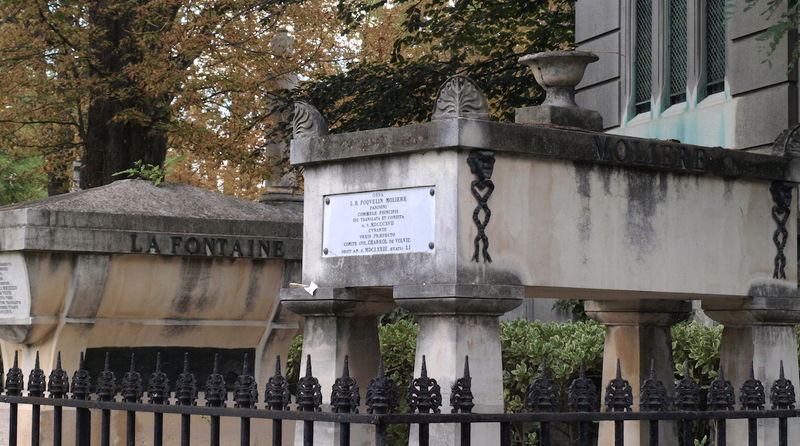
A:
(15, 297)
(393, 221)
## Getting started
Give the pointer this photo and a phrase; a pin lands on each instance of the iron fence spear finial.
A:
(106, 382)
(619, 394)
(344, 396)
(36, 380)
(782, 392)
(186, 385)
(245, 394)
(309, 391)
(276, 392)
(461, 398)
(752, 395)
(216, 392)
(15, 378)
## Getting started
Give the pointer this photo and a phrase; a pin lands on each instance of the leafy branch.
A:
(150, 172)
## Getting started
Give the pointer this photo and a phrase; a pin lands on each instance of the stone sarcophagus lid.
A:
(131, 265)
(561, 212)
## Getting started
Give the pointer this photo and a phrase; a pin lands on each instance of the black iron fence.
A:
(423, 398)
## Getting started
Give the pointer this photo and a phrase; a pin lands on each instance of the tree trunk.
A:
(124, 123)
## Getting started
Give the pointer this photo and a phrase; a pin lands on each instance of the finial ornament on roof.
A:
(308, 121)
(460, 97)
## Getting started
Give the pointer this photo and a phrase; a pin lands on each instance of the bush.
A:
(526, 344)
(699, 345)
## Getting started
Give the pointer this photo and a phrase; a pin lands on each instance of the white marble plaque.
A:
(393, 221)
(15, 296)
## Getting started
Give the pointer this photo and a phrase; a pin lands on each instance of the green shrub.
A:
(525, 345)
(699, 345)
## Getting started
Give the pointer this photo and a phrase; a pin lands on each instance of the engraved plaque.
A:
(15, 296)
(393, 221)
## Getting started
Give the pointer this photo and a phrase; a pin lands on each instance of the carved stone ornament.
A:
(481, 164)
(459, 97)
(308, 121)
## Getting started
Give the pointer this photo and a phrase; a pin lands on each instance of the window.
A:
(678, 40)
(643, 61)
(715, 46)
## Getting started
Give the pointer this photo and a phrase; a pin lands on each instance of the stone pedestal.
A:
(638, 334)
(761, 330)
(456, 321)
(338, 322)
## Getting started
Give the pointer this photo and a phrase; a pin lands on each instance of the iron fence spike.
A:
(186, 385)
(14, 378)
(276, 392)
(582, 393)
(309, 391)
(720, 393)
(345, 397)
(245, 393)
(619, 394)
(81, 381)
(132, 385)
(687, 393)
(782, 392)
(752, 395)
(424, 394)
(216, 392)
(58, 381)
(653, 393)
(461, 398)
(382, 393)
(158, 384)
(106, 383)
(543, 392)
(36, 380)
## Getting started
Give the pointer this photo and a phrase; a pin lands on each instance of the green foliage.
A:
(480, 39)
(293, 358)
(573, 307)
(783, 14)
(398, 345)
(397, 315)
(22, 178)
(525, 344)
(699, 345)
(150, 172)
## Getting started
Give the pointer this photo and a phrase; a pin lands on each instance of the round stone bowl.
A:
(558, 72)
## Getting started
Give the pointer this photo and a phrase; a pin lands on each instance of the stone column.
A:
(456, 321)
(638, 334)
(338, 323)
(761, 330)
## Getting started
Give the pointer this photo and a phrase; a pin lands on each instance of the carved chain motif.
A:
(782, 197)
(481, 164)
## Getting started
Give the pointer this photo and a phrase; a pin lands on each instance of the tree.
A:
(441, 38)
(116, 81)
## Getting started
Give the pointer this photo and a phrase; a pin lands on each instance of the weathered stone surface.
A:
(564, 116)
(104, 219)
(526, 140)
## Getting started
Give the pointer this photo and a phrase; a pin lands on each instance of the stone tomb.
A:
(461, 218)
(134, 267)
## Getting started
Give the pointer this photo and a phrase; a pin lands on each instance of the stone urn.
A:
(559, 72)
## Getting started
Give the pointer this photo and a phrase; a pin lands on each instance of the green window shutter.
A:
(677, 51)
(715, 46)
(643, 61)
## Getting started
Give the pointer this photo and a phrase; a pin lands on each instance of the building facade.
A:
(688, 70)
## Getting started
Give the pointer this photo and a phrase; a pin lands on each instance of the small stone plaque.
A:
(392, 221)
(15, 296)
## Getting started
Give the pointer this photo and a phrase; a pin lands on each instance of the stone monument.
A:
(134, 267)
(460, 218)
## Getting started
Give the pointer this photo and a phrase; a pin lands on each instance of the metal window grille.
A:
(677, 51)
(715, 46)
(644, 59)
